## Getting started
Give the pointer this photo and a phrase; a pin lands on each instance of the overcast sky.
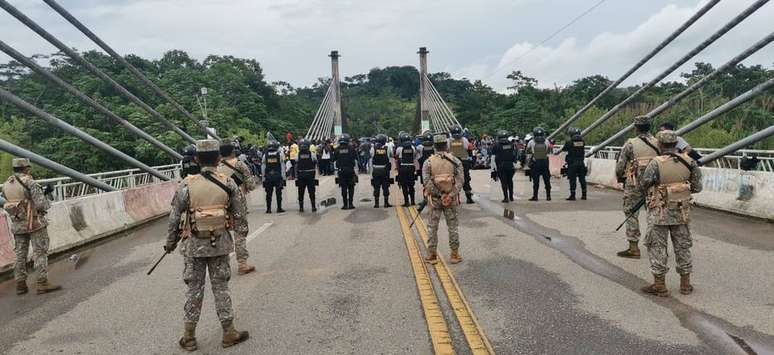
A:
(475, 39)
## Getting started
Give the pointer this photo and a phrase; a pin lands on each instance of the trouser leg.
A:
(194, 274)
(682, 243)
(220, 274)
(510, 174)
(452, 223)
(656, 242)
(432, 225)
(21, 248)
(269, 189)
(631, 197)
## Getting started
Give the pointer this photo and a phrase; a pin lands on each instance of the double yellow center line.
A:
(436, 323)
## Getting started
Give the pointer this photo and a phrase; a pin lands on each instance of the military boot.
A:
(314, 205)
(231, 336)
(572, 196)
(268, 203)
(44, 287)
(632, 253)
(387, 201)
(469, 196)
(412, 196)
(456, 258)
(548, 195)
(405, 199)
(583, 195)
(245, 268)
(188, 341)
(505, 195)
(534, 195)
(21, 287)
(432, 257)
(685, 284)
(658, 287)
(279, 202)
(301, 206)
(376, 201)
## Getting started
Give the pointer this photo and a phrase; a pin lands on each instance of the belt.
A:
(406, 164)
(380, 166)
(306, 171)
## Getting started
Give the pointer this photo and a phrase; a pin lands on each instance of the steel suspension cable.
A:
(446, 106)
(730, 25)
(316, 119)
(637, 66)
(139, 75)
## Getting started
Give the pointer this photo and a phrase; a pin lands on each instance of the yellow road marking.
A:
(474, 334)
(436, 323)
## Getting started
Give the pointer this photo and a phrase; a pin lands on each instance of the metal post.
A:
(139, 75)
(637, 66)
(90, 67)
(737, 20)
(6, 95)
(87, 100)
(338, 125)
(696, 86)
(424, 112)
(53, 166)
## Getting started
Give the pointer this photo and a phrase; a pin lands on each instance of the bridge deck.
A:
(341, 282)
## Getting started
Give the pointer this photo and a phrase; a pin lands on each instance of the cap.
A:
(667, 137)
(20, 163)
(227, 142)
(440, 138)
(642, 119)
(207, 145)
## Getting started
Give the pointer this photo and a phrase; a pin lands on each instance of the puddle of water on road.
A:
(713, 331)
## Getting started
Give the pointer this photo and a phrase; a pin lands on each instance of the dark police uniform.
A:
(274, 177)
(576, 167)
(345, 158)
(505, 156)
(306, 166)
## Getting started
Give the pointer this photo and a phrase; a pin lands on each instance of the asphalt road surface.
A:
(542, 279)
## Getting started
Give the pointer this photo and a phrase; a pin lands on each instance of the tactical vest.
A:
(227, 170)
(505, 153)
(407, 156)
(20, 206)
(458, 149)
(427, 151)
(189, 166)
(442, 174)
(577, 150)
(643, 154)
(207, 208)
(540, 151)
(344, 157)
(305, 162)
(272, 162)
(380, 158)
(673, 191)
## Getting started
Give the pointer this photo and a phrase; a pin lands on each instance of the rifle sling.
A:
(208, 175)
(239, 177)
(681, 160)
(650, 145)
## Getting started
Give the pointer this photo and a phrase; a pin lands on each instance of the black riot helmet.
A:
(404, 138)
(502, 136)
(572, 131)
(344, 139)
(272, 146)
(427, 139)
(539, 135)
(303, 145)
(456, 132)
(189, 150)
(381, 139)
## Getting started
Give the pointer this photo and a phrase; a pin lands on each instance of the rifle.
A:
(157, 263)
(421, 206)
(631, 213)
(185, 233)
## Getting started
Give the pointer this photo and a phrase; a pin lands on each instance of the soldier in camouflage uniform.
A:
(669, 180)
(635, 156)
(26, 204)
(205, 206)
(238, 171)
(444, 177)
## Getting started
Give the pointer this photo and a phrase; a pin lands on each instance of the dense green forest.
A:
(241, 102)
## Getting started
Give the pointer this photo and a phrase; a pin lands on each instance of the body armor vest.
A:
(272, 162)
(207, 206)
(407, 156)
(577, 149)
(458, 149)
(505, 153)
(643, 154)
(672, 194)
(228, 171)
(345, 158)
(427, 151)
(305, 162)
(540, 151)
(20, 206)
(380, 156)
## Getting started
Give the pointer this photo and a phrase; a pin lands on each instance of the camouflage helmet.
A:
(440, 138)
(207, 145)
(667, 137)
(20, 163)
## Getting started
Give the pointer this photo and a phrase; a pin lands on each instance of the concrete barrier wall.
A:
(749, 193)
(75, 222)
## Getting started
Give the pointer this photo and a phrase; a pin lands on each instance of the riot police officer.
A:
(345, 160)
(503, 159)
(406, 157)
(576, 166)
(461, 149)
(537, 155)
(188, 164)
(425, 151)
(380, 166)
(273, 171)
(306, 167)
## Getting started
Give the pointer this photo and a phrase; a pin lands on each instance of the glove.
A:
(170, 247)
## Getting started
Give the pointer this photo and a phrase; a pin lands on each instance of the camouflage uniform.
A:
(207, 254)
(248, 185)
(23, 236)
(436, 206)
(667, 217)
(627, 169)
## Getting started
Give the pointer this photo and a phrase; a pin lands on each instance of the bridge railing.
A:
(732, 161)
(65, 188)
